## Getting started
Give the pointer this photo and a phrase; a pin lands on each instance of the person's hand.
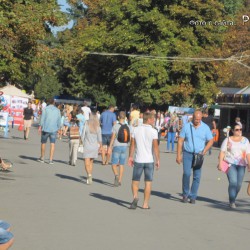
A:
(109, 151)
(39, 129)
(100, 150)
(157, 165)
(130, 161)
(179, 159)
(219, 167)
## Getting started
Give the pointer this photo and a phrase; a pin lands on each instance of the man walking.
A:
(192, 139)
(119, 142)
(143, 142)
(28, 115)
(49, 125)
(108, 119)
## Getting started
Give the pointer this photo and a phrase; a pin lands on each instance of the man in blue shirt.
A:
(108, 119)
(191, 143)
(49, 126)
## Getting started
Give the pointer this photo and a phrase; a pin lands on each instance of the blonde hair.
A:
(93, 123)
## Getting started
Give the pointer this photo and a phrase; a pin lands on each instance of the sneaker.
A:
(192, 201)
(89, 179)
(232, 205)
(184, 199)
(40, 160)
(51, 162)
(116, 182)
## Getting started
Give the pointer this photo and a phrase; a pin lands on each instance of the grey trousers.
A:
(73, 148)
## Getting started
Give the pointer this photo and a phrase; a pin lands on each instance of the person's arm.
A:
(208, 146)
(157, 153)
(42, 120)
(214, 125)
(131, 152)
(179, 150)
(111, 143)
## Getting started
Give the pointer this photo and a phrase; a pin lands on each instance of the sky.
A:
(63, 6)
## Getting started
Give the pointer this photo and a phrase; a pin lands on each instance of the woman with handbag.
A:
(92, 141)
(235, 150)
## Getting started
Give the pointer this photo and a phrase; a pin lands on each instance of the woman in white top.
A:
(235, 150)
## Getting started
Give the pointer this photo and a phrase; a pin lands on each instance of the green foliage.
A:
(232, 6)
(152, 28)
(157, 35)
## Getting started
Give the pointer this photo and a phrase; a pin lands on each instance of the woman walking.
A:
(172, 127)
(92, 141)
(235, 150)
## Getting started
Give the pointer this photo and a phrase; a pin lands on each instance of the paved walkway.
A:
(49, 208)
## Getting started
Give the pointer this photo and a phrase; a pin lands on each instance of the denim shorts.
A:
(148, 171)
(5, 236)
(51, 136)
(106, 139)
(119, 155)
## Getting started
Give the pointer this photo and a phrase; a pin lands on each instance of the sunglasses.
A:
(238, 129)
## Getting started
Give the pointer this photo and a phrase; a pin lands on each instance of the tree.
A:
(150, 29)
(24, 25)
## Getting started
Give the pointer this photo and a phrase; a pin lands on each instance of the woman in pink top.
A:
(236, 151)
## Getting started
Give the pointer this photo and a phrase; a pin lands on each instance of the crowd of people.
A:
(110, 133)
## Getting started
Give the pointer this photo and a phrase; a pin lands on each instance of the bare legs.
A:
(89, 168)
(118, 173)
(147, 192)
(52, 150)
(26, 133)
(105, 155)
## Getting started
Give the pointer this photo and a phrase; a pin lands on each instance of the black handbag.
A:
(197, 157)
(197, 161)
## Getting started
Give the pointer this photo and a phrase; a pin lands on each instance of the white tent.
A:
(14, 91)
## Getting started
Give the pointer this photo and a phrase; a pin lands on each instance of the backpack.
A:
(74, 132)
(123, 135)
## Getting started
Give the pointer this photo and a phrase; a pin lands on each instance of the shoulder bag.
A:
(197, 157)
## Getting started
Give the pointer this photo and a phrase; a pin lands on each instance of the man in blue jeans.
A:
(144, 143)
(190, 143)
(50, 124)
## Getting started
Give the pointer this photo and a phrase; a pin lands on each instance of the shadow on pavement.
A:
(241, 205)
(17, 138)
(28, 157)
(162, 195)
(36, 159)
(99, 181)
(68, 177)
(110, 199)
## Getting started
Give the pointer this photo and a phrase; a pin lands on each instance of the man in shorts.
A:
(144, 141)
(49, 126)
(28, 115)
(118, 150)
(108, 119)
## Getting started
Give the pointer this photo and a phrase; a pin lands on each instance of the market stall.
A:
(13, 101)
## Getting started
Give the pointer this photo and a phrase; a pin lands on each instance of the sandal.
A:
(134, 203)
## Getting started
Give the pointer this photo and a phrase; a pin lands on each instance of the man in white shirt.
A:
(144, 139)
(86, 110)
